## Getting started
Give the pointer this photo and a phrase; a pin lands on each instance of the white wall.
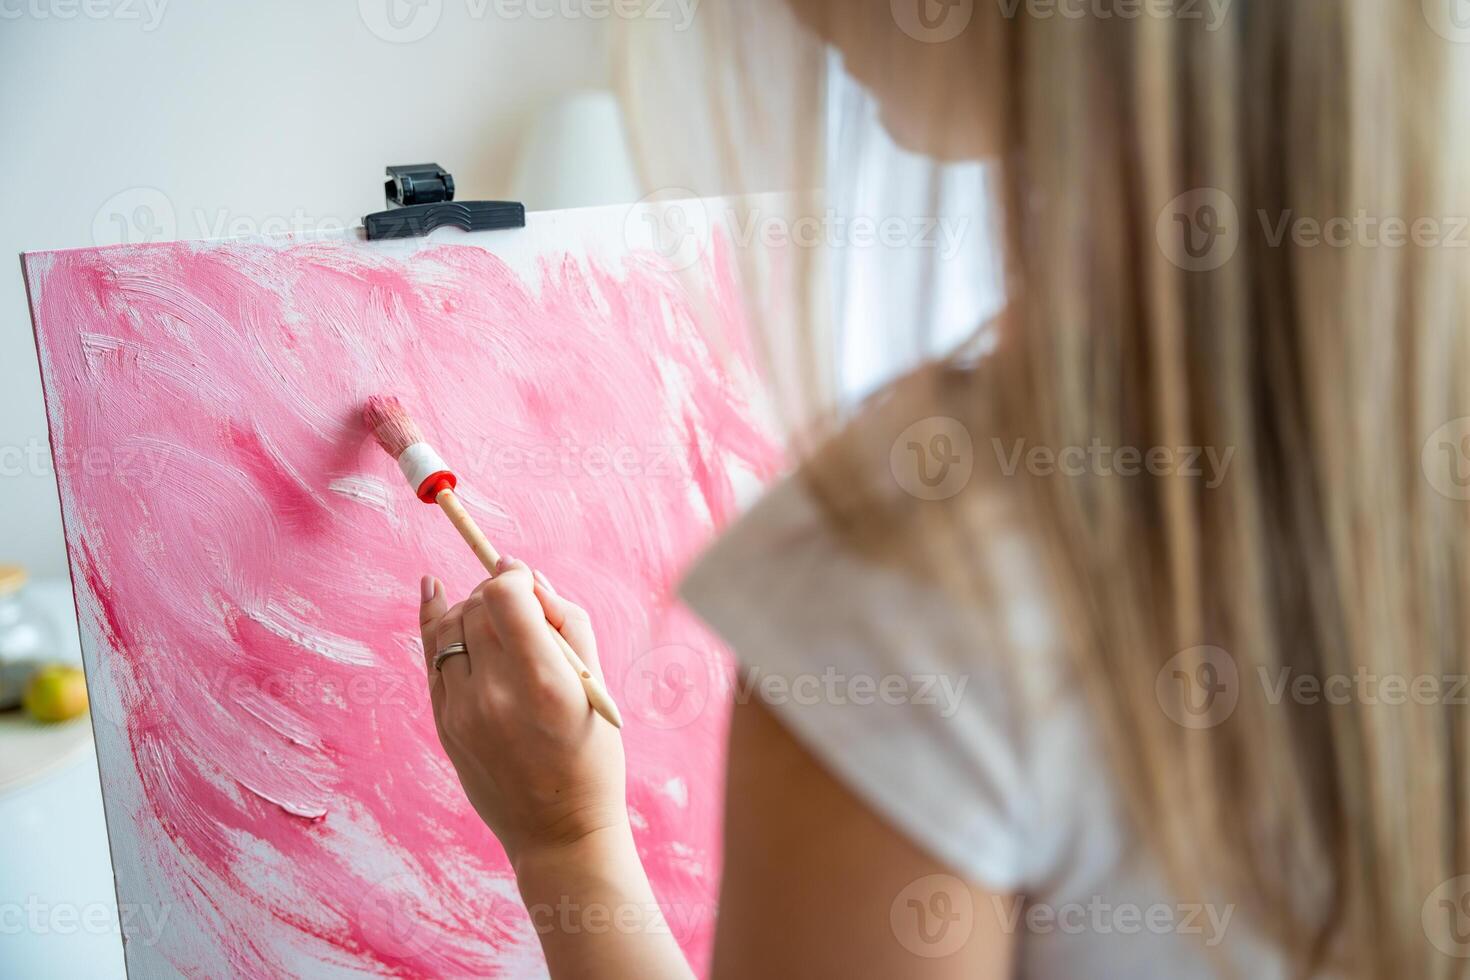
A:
(199, 118)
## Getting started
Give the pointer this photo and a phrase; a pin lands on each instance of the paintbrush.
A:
(433, 482)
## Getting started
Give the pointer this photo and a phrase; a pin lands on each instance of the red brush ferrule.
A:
(434, 484)
(425, 471)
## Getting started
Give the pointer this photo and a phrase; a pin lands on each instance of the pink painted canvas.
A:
(246, 564)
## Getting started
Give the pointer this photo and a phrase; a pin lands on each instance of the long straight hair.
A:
(1245, 236)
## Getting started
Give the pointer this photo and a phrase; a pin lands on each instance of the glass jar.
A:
(28, 636)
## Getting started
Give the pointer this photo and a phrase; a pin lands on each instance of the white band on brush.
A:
(419, 462)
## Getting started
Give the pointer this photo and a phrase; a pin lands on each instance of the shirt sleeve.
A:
(887, 682)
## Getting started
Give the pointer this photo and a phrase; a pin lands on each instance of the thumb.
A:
(570, 620)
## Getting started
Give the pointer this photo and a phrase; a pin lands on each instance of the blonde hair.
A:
(1329, 369)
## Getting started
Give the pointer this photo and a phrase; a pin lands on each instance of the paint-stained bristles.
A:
(390, 424)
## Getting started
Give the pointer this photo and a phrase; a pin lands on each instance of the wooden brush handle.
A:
(597, 695)
(469, 530)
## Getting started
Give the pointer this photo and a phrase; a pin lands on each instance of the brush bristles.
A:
(390, 424)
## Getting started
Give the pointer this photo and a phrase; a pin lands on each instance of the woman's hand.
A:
(545, 772)
(540, 767)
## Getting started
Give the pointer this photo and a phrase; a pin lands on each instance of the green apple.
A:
(56, 693)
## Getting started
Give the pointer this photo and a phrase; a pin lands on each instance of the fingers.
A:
(570, 620)
(431, 609)
(451, 629)
(504, 623)
(505, 610)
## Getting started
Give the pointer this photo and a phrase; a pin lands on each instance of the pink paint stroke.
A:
(224, 512)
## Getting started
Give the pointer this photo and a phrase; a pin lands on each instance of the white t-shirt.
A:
(996, 773)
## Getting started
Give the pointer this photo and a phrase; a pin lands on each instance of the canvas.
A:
(246, 565)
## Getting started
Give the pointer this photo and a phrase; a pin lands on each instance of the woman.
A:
(1210, 724)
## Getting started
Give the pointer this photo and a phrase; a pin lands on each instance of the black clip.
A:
(421, 198)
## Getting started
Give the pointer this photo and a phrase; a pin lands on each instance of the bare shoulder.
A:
(817, 884)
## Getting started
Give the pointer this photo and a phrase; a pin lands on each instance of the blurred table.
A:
(58, 908)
